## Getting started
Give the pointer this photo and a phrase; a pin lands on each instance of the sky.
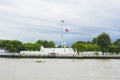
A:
(32, 20)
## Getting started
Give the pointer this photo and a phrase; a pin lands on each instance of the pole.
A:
(64, 45)
(62, 34)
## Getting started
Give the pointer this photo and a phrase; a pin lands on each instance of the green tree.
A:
(46, 43)
(17, 45)
(104, 41)
(114, 49)
(117, 42)
(51, 44)
(79, 47)
(11, 45)
(37, 47)
(28, 46)
(31, 46)
(40, 42)
(5, 43)
(94, 41)
(91, 47)
(1, 41)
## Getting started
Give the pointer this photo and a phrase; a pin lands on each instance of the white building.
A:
(57, 50)
(50, 51)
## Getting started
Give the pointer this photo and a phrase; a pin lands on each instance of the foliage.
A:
(114, 49)
(46, 43)
(94, 41)
(104, 41)
(100, 43)
(117, 42)
(11, 45)
(85, 46)
(31, 46)
(17, 46)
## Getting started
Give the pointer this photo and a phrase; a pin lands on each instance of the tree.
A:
(47, 44)
(1, 41)
(31, 46)
(17, 45)
(51, 44)
(104, 41)
(11, 45)
(40, 42)
(80, 47)
(85, 46)
(114, 49)
(117, 42)
(94, 40)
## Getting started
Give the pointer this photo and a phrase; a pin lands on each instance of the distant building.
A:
(56, 51)
(50, 51)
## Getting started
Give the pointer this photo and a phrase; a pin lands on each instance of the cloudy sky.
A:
(30, 20)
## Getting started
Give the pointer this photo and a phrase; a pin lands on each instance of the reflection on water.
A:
(59, 69)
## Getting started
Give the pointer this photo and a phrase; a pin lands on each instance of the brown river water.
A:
(59, 69)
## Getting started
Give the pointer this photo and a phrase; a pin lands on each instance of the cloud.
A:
(30, 20)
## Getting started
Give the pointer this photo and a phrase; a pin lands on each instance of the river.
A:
(59, 69)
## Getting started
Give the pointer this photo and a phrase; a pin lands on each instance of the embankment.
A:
(60, 56)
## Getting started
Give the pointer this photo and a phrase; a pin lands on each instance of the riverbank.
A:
(61, 56)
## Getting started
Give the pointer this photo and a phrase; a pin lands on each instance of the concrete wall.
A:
(49, 51)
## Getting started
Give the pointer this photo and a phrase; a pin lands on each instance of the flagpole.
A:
(63, 44)
(62, 39)
(62, 34)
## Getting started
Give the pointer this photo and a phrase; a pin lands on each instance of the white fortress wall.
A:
(49, 51)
